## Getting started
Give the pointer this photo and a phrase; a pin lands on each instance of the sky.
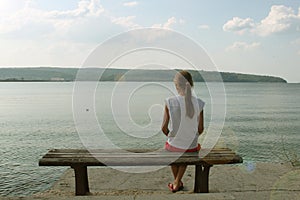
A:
(257, 36)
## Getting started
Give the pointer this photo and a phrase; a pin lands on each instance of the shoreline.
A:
(237, 181)
(71, 81)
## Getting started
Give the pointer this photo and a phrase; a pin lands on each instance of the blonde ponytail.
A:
(188, 101)
(184, 82)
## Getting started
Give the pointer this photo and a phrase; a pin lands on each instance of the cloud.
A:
(130, 4)
(32, 36)
(238, 46)
(31, 22)
(204, 27)
(86, 23)
(239, 25)
(91, 8)
(281, 19)
(126, 22)
(170, 22)
(158, 31)
(167, 25)
(181, 21)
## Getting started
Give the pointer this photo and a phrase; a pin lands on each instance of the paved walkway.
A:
(241, 182)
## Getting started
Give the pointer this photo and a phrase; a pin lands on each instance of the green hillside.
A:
(92, 74)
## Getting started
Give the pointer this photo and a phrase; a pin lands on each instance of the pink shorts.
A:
(175, 149)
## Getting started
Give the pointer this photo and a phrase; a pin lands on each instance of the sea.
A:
(260, 121)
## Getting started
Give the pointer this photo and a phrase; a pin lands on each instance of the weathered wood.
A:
(131, 155)
(138, 161)
(201, 183)
(81, 179)
(71, 152)
(78, 151)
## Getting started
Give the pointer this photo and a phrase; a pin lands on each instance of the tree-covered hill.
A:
(92, 74)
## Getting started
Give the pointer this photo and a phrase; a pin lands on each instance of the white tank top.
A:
(183, 130)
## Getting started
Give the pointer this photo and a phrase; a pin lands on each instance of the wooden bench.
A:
(79, 159)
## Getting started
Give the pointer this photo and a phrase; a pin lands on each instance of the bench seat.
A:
(79, 159)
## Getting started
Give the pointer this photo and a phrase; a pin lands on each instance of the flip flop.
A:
(174, 189)
(170, 186)
(181, 186)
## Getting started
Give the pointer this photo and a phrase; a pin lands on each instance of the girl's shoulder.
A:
(175, 101)
(172, 101)
(201, 103)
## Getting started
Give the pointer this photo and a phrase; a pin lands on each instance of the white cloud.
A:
(170, 22)
(130, 4)
(238, 46)
(10, 6)
(31, 22)
(204, 27)
(87, 21)
(160, 31)
(181, 21)
(35, 20)
(280, 19)
(126, 21)
(91, 8)
(32, 36)
(239, 25)
(167, 25)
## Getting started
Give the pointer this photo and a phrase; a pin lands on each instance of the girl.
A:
(184, 116)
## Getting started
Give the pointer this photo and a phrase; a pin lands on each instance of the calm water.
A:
(35, 117)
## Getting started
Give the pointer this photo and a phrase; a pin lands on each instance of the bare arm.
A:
(201, 123)
(165, 123)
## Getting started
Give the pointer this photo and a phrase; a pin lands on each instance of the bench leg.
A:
(201, 178)
(81, 180)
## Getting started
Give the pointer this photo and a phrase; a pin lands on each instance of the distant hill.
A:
(91, 74)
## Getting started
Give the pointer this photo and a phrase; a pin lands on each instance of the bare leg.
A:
(180, 173)
(174, 169)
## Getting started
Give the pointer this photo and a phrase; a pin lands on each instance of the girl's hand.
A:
(165, 123)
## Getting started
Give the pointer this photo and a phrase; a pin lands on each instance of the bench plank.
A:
(142, 161)
(76, 151)
(116, 155)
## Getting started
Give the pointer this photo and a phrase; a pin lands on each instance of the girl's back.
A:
(183, 129)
